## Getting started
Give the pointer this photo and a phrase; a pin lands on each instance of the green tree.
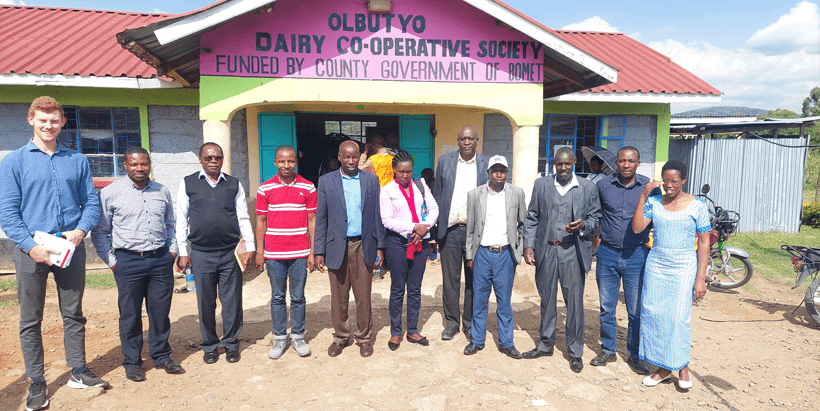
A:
(811, 105)
(811, 108)
(779, 113)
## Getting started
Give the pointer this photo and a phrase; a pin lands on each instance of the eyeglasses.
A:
(213, 158)
(673, 182)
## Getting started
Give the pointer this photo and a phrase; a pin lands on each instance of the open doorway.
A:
(318, 137)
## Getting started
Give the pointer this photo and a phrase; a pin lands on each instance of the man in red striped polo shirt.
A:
(285, 222)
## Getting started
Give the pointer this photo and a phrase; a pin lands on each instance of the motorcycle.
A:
(806, 261)
(729, 267)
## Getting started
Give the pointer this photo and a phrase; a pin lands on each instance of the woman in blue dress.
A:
(673, 270)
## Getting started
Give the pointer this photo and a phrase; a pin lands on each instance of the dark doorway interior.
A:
(318, 136)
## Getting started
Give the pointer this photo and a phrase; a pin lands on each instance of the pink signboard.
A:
(419, 40)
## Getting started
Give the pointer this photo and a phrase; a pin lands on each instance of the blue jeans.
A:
(613, 267)
(496, 271)
(279, 272)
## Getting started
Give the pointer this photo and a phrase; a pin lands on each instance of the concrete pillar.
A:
(525, 157)
(219, 132)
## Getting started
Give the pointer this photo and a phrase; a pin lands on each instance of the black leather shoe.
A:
(638, 365)
(210, 357)
(468, 335)
(421, 341)
(536, 353)
(471, 349)
(393, 346)
(231, 356)
(135, 374)
(603, 358)
(576, 364)
(511, 352)
(170, 366)
(449, 333)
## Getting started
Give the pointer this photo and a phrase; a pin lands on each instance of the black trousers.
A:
(218, 272)
(149, 279)
(452, 249)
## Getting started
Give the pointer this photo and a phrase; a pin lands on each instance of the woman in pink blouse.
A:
(408, 212)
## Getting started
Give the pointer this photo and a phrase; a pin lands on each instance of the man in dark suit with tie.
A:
(564, 210)
(457, 173)
(349, 238)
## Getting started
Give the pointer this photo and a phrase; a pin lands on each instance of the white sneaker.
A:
(279, 348)
(301, 347)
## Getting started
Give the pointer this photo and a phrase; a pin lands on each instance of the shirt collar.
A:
(639, 180)
(345, 176)
(32, 147)
(491, 191)
(295, 177)
(221, 175)
(572, 183)
(463, 161)
(147, 186)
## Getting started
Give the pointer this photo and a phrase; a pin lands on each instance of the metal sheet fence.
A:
(761, 181)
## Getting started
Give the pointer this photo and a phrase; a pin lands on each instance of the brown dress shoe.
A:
(336, 348)
(366, 349)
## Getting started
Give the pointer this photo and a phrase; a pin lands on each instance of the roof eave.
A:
(638, 97)
(30, 79)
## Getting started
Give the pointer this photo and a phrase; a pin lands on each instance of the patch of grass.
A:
(105, 280)
(8, 303)
(764, 250)
(100, 281)
(6, 285)
(750, 288)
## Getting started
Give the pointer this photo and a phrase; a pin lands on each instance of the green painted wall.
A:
(660, 110)
(105, 97)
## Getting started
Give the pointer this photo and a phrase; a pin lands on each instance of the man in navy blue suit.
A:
(349, 239)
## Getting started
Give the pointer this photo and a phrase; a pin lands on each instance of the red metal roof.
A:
(48, 40)
(43, 40)
(640, 68)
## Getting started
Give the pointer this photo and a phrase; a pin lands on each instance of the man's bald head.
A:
(349, 157)
(349, 145)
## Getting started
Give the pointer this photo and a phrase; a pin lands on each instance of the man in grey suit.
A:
(349, 238)
(564, 210)
(457, 173)
(495, 222)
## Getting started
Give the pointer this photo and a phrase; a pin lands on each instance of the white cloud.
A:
(156, 10)
(749, 77)
(594, 23)
(799, 29)
(12, 3)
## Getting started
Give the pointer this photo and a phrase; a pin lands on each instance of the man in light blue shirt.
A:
(48, 187)
(349, 236)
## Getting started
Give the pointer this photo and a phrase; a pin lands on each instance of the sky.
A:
(760, 54)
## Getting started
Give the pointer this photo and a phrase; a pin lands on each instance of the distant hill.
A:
(721, 111)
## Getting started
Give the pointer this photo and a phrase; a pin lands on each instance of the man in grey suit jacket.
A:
(456, 174)
(495, 222)
(349, 239)
(563, 211)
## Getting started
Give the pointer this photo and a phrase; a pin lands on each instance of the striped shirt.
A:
(287, 208)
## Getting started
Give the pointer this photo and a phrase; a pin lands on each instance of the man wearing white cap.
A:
(495, 224)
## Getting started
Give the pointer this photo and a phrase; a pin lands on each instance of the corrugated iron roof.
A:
(640, 68)
(83, 42)
(51, 40)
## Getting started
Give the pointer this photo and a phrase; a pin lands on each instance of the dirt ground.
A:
(749, 352)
